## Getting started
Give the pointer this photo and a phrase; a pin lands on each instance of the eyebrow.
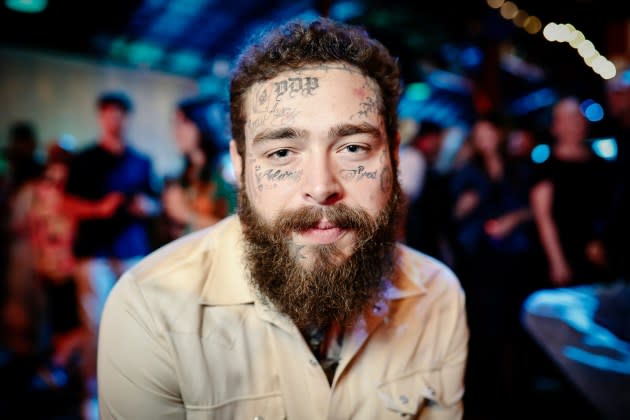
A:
(278, 134)
(343, 130)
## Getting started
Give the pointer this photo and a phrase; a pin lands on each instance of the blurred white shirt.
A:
(412, 167)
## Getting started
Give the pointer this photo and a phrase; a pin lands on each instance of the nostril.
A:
(332, 198)
(325, 198)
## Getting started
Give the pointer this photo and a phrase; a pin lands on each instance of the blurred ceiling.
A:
(184, 36)
(199, 38)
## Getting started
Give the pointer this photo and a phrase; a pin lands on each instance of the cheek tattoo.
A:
(359, 173)
(275, 175)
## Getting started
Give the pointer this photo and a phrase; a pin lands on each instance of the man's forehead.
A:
(285, 99)
(304, 76)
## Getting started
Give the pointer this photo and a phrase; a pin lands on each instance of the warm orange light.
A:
(532, 25)
(509, 10)
(495, 4)
(519, 19)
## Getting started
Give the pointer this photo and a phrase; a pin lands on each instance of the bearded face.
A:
(318, 195)
(325, 287)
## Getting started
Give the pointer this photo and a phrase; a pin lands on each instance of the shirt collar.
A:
(226, 283)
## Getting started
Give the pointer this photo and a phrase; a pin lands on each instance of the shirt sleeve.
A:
(136, 375)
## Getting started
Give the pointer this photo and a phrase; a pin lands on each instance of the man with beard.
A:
(303, 306)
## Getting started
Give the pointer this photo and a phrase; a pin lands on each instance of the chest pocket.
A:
(407, 395)
(259, 407)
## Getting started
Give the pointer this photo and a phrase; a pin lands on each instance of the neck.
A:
(112, 143)
(197, 161)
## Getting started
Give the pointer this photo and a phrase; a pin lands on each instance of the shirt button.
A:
(404, 399)
(313, 362)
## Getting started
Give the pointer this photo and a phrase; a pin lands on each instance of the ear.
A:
(396, 148)
(237, 162)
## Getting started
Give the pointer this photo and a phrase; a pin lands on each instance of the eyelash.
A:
(275, 154)
(360, 148)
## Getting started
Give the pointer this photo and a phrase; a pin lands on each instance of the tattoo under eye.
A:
(357, 174)
(273, 175)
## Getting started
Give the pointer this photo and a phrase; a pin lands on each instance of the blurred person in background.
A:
(412, 168)
(427, 215)
(23, 164)
(17, 279)
(200, 196)
(19, 165)
(41, 312)
(491, 242)
(412, 163)
(571, 199)
(585, 329)
(105, 248)
(617, 127)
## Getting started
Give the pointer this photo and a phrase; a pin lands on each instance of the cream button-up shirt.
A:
(183, 336)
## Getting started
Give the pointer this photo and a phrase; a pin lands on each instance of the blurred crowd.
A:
(534, 223)
(72, 225)
(507, 224)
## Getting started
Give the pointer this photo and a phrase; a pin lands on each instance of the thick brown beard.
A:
(333, 287)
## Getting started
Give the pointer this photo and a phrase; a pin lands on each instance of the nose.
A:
(321, 184)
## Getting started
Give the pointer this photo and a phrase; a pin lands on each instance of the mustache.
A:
(340, 215)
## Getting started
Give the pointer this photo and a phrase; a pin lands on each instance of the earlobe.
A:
(237, 162)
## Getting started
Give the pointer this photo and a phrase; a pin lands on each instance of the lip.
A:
(322, 233)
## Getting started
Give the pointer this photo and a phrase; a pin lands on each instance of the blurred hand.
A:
(108, 205)
(500, 227)
(560, 273)
(465, 204)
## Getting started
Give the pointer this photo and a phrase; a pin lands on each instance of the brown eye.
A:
(282, 153)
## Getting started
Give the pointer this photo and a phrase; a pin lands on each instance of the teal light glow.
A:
(605, 148)
(594, 112)
(185, 62)
(26, 6)
(141, 53)
(541, 153)
(418, 91)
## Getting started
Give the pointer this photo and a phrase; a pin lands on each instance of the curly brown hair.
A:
(296, 44)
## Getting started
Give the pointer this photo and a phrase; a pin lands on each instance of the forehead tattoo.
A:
(267, 105)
